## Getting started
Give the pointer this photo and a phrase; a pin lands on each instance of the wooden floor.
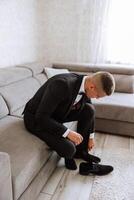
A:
(70, 185)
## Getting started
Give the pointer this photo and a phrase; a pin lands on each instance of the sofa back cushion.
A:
(90, 67)
(124, 83)
(10, 75)
(42, 78)
(3, 108)
(124, 75)
(52, 72)
(17, 94)
(34, 67)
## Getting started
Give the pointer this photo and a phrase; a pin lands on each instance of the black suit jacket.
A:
(53, 101)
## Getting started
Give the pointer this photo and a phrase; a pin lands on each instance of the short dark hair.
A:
(107, 83)
(104, 81)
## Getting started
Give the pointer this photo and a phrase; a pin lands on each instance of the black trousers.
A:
(63, 146)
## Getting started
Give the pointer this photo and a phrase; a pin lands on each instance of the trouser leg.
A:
(63, 146)
(85, 126)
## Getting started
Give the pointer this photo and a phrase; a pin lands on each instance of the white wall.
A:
(52, 30)
(61, 32)
(75, 30)
(32, 30)
(21, 31)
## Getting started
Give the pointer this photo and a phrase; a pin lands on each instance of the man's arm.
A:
(53, 96)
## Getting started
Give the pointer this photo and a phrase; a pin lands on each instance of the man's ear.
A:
(92, 86)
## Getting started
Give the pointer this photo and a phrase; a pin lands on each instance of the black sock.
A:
(90, 158)
(87, 157)
(70, 164)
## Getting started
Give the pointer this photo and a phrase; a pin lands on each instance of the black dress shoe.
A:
(97, 169)
(87, 157)
(70, 164)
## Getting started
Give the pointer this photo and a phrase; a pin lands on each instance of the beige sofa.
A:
(26, 162)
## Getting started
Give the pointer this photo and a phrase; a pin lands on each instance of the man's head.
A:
(99, 84)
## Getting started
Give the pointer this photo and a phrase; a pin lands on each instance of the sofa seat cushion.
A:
(71, 125)
(119, 106)
(3, 108)
(18, 112)
(27, 152)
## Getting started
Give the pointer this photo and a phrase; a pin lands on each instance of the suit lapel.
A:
(75, 92)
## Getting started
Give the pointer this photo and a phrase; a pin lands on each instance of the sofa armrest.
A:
(5, 177)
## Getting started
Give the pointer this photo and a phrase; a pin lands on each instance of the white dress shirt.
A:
(78, 97)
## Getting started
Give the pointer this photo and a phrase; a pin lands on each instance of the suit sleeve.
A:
(52, 97)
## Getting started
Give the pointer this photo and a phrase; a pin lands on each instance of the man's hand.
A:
(91, 143)
(75, 137)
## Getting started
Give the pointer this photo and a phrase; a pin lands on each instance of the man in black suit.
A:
(64, 98)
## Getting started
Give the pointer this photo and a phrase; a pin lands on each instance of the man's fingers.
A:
(90, 147)
(79, 139)
(75, 137)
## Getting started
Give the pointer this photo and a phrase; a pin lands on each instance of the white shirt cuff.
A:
(66, 133)
(91, 135)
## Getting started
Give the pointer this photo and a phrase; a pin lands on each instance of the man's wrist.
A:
(91, 136)
(66, 133)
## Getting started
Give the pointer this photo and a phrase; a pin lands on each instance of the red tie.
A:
(79, 103)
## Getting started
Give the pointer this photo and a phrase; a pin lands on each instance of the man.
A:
(64, 98)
